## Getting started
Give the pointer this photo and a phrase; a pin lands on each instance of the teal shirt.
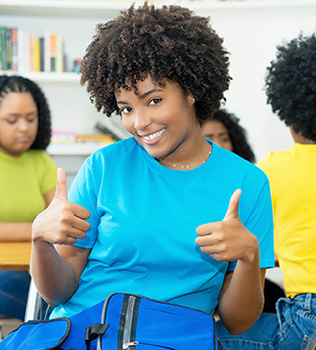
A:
(23, 182)
(143, 225)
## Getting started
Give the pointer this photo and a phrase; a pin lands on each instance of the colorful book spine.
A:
(47, 51)
(3, 53)
(8, 48)
(42, 53)
(14, 49)
(60, 55)
(24, 52)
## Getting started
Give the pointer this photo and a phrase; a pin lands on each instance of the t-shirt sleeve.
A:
(83, 193)
(259, 221)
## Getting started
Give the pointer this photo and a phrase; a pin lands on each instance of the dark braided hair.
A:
(14, 83)
(168, 43)
(291, 85)
(237, 134)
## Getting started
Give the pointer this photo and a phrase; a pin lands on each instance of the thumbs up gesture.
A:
(62, 222)
(227, 240)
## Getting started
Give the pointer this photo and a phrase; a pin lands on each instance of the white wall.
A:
(250, 35)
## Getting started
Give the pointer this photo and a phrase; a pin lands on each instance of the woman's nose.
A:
(23, 125)
(141, 120)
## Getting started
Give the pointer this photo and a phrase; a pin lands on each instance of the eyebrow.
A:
(142, 96)
(220, 134)
(18, 114)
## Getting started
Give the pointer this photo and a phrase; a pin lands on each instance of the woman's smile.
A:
(153, 138)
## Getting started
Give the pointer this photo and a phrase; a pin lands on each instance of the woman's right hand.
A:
(62, 222)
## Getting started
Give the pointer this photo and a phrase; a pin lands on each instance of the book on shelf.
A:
(22, 51)
(3, 59)
(42, 53)
(8, 48)
(34, 54)
(53, 51)
(14, 49)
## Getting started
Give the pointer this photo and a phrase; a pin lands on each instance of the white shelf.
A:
(78, 149)
(75, 9)
(91, 9)
(47, 77)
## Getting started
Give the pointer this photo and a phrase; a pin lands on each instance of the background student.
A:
(27, 176)
(224, 129)
(291, 92)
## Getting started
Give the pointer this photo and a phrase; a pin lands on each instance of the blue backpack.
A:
(121, 322)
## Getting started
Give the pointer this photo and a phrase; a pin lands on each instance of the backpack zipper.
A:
(127, 341)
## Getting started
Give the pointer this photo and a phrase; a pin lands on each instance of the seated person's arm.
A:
(21, 231)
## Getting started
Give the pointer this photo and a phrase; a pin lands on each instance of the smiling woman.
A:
(27, 176)
(158, 214)
(163, 112)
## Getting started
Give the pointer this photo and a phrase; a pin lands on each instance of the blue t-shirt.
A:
(143, 225)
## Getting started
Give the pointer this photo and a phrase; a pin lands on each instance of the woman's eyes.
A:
(154, 101)
(11, 121)
(31, 120)
(15, 120)
(126, 110)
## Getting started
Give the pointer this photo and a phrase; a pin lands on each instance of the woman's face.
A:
(218, 133)
(161, 118)
(18, 123)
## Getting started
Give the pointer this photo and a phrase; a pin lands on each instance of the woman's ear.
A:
(191, 99)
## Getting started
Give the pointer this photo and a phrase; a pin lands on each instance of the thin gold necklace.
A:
(188, 166)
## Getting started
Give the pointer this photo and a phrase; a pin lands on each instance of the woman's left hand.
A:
(228, 240)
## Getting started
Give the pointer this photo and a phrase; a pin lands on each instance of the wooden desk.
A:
(15, 256)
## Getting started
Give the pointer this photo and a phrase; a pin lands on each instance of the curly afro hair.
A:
(18, 84)
(291, 85)
(237, 134)
(168, 43)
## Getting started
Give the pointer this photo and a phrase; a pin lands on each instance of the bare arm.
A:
(15, 231)
(21, 231)
(56, 270)
(241, 299)
(56, 264)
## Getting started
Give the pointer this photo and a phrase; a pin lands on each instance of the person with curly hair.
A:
(291, 92)
(165, 213)
(27, 176)
(223, 128)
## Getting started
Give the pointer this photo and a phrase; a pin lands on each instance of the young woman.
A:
(290, 88)
(27, 176)
(164, 213)
(224, 129)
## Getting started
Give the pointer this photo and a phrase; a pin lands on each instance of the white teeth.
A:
(154, 135)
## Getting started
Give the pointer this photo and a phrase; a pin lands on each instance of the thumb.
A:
(61, 189)
(232, 211)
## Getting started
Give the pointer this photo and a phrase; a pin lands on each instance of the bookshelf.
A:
(92, 9)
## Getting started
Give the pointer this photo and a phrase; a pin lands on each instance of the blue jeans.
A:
(291, 328)
(14, 288)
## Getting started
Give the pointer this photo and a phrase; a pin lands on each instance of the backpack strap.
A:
(93, 332)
